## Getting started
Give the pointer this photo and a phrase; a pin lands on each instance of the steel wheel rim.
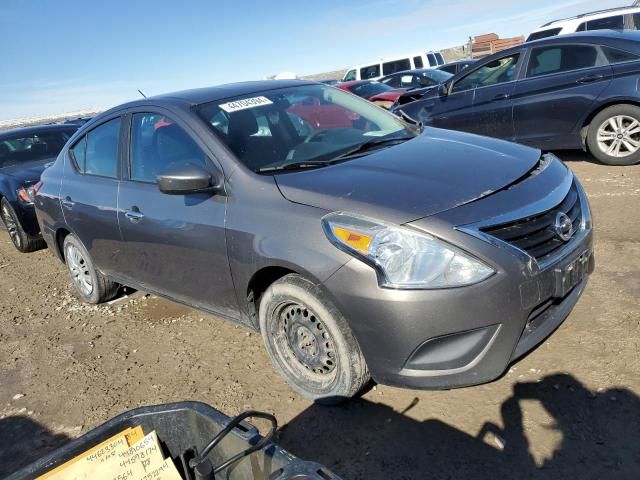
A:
(619, 136)
(301, 335)
(12, 226)
(78, 269)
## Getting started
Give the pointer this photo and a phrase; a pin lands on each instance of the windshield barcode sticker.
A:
(245, 103)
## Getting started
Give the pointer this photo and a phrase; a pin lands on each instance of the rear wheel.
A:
(614, 135)
(310, 342)
(90, 285)
(21, 240)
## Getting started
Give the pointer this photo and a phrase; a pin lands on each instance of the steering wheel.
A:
(315, 135)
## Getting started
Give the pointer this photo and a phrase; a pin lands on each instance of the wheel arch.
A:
(258, 284)
(61, 234)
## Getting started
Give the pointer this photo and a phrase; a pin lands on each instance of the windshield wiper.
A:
(293, 166)
(360, 149)
(368, 145)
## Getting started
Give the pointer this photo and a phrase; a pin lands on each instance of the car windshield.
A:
(26, 148)
(369, 89)
(437, 76)
(298, 125)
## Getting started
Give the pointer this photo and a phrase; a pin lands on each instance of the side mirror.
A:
(443, 89)
(186, 179)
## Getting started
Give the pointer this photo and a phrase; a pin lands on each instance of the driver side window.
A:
(159, 144)
(498, 71)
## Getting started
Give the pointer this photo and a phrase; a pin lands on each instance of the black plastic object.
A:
(190, 427)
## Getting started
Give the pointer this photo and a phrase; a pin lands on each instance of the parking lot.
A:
(571, 409)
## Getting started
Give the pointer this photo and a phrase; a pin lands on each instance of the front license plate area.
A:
(571, 274)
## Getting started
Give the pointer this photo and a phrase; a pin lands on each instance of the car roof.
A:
(197, 96)
(591, 36)
(37, 129)
(608, 12)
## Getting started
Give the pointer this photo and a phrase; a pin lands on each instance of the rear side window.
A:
(97, 152)
(555, 59)
(551, 32)
(432, 59)
(417, 61)
(615, 22)
(613, 55)
(396, 66)
(371, 71)
(159, 144)
(439, 58)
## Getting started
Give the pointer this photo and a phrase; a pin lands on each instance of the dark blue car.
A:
(24, 152)
(567, 92)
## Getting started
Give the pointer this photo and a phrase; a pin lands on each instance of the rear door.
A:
(558, 88)
(89, 192)
(173, 244)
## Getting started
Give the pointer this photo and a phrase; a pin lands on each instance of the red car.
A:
(376, 92)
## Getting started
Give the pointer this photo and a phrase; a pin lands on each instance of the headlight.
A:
(405, 258)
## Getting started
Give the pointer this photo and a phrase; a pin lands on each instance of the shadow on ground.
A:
(22, 441)
(364, 440)
(575, 156)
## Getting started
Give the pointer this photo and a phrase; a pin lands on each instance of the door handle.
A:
(68, 203)
(134, 215)
(590, 78)
(501, 96)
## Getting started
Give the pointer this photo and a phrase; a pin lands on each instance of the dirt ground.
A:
(571, 409)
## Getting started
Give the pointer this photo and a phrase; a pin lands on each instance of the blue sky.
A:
(66, 55)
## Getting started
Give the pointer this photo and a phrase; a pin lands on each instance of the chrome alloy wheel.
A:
(619, 136)
(78, 269)
(12, 226)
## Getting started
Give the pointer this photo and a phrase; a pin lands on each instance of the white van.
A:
(375, 70)
(612, 18)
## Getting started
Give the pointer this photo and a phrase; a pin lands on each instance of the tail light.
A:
(28, 193)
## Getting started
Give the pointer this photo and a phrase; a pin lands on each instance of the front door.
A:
(493, 84)
(175, 244)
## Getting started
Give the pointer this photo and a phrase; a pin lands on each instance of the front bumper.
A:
(438, 339)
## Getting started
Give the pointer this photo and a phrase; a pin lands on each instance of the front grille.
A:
(536, 235)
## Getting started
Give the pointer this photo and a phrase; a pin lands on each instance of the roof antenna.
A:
(140, 92)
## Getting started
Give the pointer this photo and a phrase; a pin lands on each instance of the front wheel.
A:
(614, 135)
(310, 342)
(90, 285)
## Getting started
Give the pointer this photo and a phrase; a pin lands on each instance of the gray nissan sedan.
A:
(360, 246)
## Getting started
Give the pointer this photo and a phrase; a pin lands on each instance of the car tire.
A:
(21, 240)
(610, 128)
(310, 342)
(90, 285)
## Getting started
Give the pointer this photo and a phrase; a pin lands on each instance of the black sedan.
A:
(566, 92)
(24, 153)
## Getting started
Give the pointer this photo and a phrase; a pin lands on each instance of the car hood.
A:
(436, 171)
(27, 172)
